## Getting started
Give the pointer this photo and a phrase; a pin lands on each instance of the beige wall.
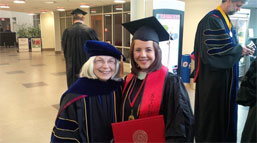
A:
(47, 30)
(21, 18)
(195, 10)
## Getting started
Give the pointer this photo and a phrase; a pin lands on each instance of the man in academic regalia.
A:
(73, 40)
(217, 53)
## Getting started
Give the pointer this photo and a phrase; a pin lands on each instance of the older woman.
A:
(150, 89)
(88, 107)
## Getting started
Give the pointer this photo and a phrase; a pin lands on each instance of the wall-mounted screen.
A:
(172, 21)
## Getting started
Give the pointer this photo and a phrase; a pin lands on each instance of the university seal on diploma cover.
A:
(140, 136)
(145, 130)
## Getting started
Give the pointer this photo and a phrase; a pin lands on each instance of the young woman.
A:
(151, 90)
(88, 107)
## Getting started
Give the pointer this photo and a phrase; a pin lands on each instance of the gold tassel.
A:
(121, 67)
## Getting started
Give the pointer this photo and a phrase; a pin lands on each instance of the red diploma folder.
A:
(144, 130)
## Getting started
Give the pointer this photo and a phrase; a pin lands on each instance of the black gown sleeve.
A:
(247, 92)
(93, 35)
(67, 125)
(176, 108)
(87, 33)
(64, 40)
(216, 47)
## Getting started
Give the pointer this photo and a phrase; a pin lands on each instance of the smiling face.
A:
(104, 67)
(144, 54)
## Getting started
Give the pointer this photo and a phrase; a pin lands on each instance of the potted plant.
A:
(29, 38)
(22, 31)
(34, 34)
(22, 34)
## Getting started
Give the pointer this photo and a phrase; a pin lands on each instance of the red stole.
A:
(152, 96)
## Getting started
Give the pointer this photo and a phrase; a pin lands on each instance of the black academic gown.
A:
(175, 107)
(216, 64)
(73, 40)
(247, 97)
(86, 112)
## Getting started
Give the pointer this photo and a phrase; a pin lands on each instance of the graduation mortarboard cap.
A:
(99, 48)
(147, 29)
(78, 11)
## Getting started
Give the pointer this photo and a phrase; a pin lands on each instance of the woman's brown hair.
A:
(156, 65)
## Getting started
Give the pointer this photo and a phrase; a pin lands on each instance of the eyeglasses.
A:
(101, 62)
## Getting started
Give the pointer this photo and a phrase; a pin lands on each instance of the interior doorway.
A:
(5, 25)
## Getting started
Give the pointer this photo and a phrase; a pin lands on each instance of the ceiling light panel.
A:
(19, 1)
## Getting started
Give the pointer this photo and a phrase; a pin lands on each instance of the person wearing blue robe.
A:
(217, 53)
(88, 107)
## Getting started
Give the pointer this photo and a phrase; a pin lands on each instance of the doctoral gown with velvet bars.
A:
(217, 53)
(73, 40)
(247, 97)
(86, 112)
(175, 107)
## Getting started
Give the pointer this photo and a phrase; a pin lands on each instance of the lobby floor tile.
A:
(35, 84)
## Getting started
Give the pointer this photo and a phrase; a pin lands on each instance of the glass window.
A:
(108, 28)
(117, 8)
(126, 54)
(5, 23)
(108, 25)
(66, 20)
(36, 20)
(107, 9)
(96, 24)
(62, 25)
(36, 16)
(120, 49)
(62, 14)
(69, 21)
(68, 13)
(94, 10)
(126, 34)
(117, 33)
(126, 7)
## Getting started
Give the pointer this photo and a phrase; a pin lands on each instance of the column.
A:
(141, 9)
(57, 33)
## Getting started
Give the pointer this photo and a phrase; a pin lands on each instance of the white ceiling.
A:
(34, 6)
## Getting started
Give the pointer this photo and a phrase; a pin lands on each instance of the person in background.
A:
(247, 97)
(88, 107)
(1, 28)
(217, 54)
(8, 29)
(73, 39)
(150, 83)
